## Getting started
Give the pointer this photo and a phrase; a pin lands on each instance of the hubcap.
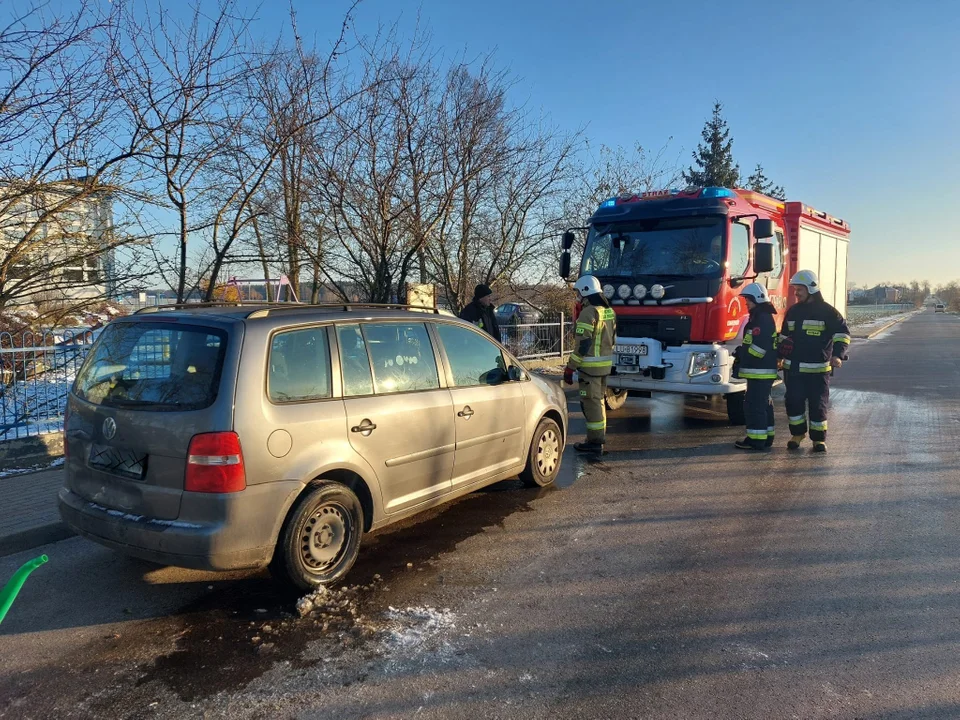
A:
(548, 452)
(324, 536)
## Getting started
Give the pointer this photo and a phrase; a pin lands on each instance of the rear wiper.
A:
(138, 404)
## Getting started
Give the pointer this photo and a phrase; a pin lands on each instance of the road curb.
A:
(879, 330)
(34, 537)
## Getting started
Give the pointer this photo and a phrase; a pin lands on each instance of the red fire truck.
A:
(672, 263)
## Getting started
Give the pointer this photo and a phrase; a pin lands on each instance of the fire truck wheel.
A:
(615, 399)
(735, 408)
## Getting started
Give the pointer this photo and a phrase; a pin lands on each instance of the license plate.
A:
(631, 349)
(115, 461)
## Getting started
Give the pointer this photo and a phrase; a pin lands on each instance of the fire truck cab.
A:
(672, 264)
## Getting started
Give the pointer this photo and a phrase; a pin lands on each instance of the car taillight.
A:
(215, 464)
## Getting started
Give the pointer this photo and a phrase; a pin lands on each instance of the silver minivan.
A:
(226, 437)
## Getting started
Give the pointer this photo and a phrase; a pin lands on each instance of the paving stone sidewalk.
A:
(28, 511)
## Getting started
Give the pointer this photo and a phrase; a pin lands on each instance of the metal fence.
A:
(37, 370)
(538, 340)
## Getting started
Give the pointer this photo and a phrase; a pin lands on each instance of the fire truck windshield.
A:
(677, 247)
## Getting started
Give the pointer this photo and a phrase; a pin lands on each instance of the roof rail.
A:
(345, 307)
(208, 304)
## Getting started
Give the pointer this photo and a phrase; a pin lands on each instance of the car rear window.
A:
(153, 366)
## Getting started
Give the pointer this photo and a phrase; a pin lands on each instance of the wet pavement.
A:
(673, 578)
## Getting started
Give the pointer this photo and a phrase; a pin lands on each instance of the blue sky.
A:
(853, 106)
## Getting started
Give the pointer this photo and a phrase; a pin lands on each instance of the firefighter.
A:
(480, 312)
(592, 358)
(814, 341)
(757, 360)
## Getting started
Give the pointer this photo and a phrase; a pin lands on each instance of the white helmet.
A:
(756, 292)
(807, 278)
(587, 285)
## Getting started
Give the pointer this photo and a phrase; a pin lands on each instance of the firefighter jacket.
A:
(813, 332)
(594, 335)
(758, 354)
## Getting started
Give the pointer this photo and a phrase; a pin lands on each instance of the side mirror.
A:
(565, 264)
(514, 373)
(567, 241)
(762, 257)
(763, 229)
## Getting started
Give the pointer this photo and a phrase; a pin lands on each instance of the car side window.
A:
(402, 357)
(474, 360)
(739, 249)
(299, 366)
(354, 361)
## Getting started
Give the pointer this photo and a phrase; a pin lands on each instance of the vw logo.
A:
(109, 428)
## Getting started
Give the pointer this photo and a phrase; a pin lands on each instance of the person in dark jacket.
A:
(480, 311)
(814, 341)
(757, 360)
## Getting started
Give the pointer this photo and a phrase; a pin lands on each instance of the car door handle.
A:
(466, 413)
(364, 428)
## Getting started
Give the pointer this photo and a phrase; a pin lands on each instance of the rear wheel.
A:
(320, 539)
(735, 408)
(615, 399)
(546, 450)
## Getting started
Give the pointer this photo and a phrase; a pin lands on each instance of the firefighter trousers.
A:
(758, 411)
(593, 389)
(808, 397)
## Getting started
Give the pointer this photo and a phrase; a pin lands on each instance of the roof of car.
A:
(297, 311)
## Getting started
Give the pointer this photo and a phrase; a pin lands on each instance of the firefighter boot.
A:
(589, 447)
(750, 444)
(794, 442)
(819, 447)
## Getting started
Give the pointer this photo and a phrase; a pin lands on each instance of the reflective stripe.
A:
(786, 364)
(756, 351)
(597, 425)
(791, 325)
(758, 373)
(585, 326)
(605, 361)
(771, 430)
(818, 324)
(814, 367)
(818, 425)
(748, 339)
(842, 338)
(794, 419)
(574, 356)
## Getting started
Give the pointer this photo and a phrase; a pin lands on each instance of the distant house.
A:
(73, 244)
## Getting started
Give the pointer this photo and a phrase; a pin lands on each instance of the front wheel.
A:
(735, 408)
(543, 460)
(615, 399)
(320, 539)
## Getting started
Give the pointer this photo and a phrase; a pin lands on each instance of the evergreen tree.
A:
(759, 182)
(714, 156)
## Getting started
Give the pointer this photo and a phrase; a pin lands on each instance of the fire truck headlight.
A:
(639, 292)
(608, 292)
(657, 292)
(702, 363)
(623, 291)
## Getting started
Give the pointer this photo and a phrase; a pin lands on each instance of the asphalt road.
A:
(674, 579)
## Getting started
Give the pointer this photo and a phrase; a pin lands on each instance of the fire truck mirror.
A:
(762, 229)
(568, 239)
(565, 265)
(762, 257)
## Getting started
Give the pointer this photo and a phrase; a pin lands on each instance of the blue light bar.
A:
(609, 203)
(717, 192)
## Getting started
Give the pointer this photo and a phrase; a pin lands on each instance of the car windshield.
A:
(153, 366)
(663, 247)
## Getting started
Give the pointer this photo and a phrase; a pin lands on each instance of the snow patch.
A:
(413, 630)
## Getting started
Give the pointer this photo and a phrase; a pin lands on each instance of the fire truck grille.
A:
(674, 330)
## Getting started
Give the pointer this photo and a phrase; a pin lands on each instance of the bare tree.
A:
(64, 157)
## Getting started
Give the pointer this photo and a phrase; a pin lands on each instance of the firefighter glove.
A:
(568, 376)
